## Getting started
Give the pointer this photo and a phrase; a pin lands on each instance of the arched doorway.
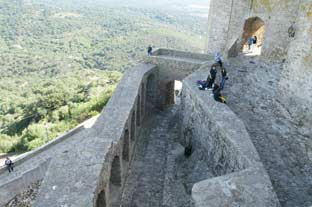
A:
(115, 183)
(173, 90)
(253, 27)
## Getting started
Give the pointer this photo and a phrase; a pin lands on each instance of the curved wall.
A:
(125, 111)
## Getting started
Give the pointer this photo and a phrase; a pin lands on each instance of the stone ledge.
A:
(250, 187)
(181, 54)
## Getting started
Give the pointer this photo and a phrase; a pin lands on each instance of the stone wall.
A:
(296, 83)
(20, 184)
(227, 20)
(26, 156)
(225, 33)
(213, 128)
(133, 97)
(173, 65)
(180, 54)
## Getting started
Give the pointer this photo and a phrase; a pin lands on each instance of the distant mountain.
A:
(171, 5)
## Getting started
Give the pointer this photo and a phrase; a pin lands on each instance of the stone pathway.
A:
(160, 175)
(145, 182)
(283, 145)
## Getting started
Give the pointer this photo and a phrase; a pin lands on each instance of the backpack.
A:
(8, 162)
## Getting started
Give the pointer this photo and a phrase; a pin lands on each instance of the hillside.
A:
(61, 61)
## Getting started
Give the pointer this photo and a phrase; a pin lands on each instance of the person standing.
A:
(255, 40)
(212, 76)
(149, 50)
(9, 164)
(223, 78)
(250, 42)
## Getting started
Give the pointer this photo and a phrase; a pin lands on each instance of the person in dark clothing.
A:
(223, 78)
(255, 39)
(217, 93)
(212, 76)
(9, 164)
(149, 51)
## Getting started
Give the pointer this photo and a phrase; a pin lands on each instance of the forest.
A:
(60, 63)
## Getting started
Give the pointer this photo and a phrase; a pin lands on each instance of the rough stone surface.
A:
(284, 146)
(228, 149)
(26, 198)
(245, 188)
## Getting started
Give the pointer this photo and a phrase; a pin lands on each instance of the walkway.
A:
(282, 144)
(160, 175)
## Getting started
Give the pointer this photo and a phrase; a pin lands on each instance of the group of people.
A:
(212, 83)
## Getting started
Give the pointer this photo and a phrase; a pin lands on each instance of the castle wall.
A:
(226, 23)
(295, 85)
(227, 19)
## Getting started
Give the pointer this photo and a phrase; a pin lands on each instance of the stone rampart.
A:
(212, 127)
(21, 183)
(180, 54)
(26, 156)
(124, 112)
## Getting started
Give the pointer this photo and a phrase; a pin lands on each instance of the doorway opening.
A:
(252, 39)
(174, 89)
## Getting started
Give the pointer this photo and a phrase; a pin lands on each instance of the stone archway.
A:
(115, 183)
(101, 200)
(253, 26)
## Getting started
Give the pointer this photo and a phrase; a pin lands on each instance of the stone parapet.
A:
(240, 178)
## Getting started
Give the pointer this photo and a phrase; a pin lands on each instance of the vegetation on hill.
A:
(59, 65)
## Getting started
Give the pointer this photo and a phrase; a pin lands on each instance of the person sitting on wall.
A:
(9, 164)
(149, 50)
(218, 59)
(212, 76)
(217, 93)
